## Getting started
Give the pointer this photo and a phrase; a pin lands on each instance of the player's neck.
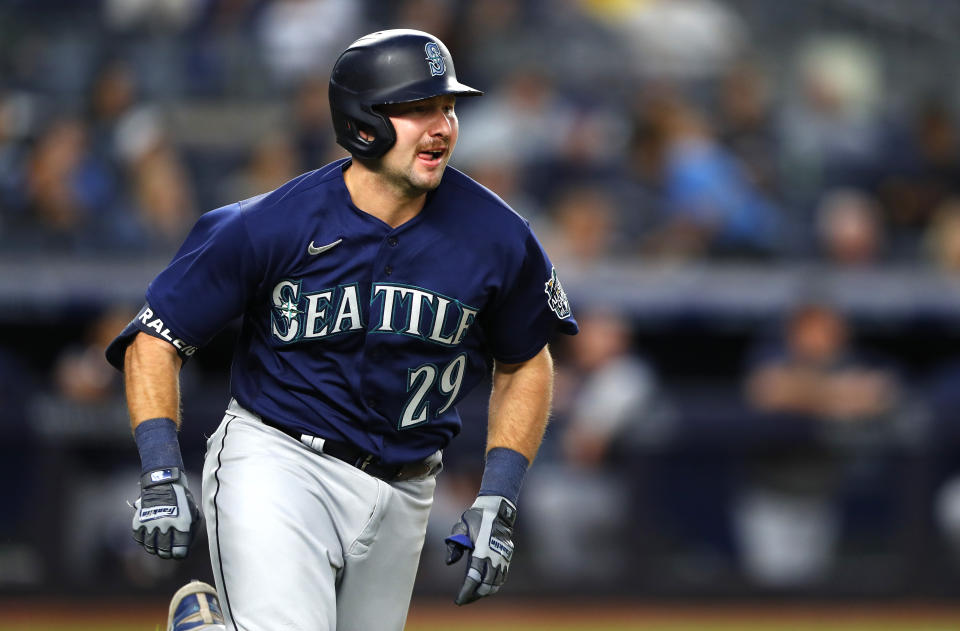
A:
(373, 194)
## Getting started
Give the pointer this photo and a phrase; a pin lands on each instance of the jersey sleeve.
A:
(531, 309)
(206, 285)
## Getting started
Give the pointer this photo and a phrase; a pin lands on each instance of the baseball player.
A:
(374, 293)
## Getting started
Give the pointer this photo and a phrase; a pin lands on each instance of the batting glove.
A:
(486, 530)
(165, 518)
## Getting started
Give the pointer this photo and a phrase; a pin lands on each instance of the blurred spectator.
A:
(67, 191)
(80, 374)
(925, 170)
(154, 205)
(158, 206)
(115, 185)
(220, 57)
(85, 400)
(675, 39)
(612, 399)
(18, 114)
(609, 403)
(302, 37)
(543, 134)
(710, 209)
(149, 36)
(129, 137)
(942, 238)
(312, 127)
(83, 411)
(849, 229)
(274, 160)
(112, 100)
(504, 176)
(578, 42)
(822, 392)
(524, 116)
(746, 126)
(817, 374)
(831, 128)
(496, 40)
(581, 228)
(588, 153)
(165, 206)
(433, 16)
(150, 14)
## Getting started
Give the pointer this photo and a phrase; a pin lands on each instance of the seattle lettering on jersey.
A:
(399, 309)
(157, 329)
(402, 311)
(323, 313)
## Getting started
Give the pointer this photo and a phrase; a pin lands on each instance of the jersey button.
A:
(388, 270)
(393, 242)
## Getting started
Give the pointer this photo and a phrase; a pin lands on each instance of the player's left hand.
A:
(165, 519)
(486, 531)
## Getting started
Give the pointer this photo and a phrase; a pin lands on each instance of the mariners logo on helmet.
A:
(556, 297)
(435, 59)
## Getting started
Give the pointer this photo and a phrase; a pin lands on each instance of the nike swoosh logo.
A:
(314, 250)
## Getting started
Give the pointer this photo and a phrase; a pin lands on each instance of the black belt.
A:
(360, 459)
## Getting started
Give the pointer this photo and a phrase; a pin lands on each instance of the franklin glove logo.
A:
(158, 512)
(502, 547)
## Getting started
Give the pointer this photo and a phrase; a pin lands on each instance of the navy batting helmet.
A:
(395, 66)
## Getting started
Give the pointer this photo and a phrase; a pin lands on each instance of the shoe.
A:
(194, 606)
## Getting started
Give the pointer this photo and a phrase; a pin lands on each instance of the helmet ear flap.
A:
(350, 117)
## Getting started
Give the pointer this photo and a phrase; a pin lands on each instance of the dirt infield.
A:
(506, 615)
(593, 616)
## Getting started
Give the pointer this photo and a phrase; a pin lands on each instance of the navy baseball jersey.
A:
(353, 330)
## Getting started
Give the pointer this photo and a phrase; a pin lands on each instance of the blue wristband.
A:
(503, 473)
(158, 445)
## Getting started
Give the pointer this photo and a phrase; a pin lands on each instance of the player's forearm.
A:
(520, 404)
(152, 380)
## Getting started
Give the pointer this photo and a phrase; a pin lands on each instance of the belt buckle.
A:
(364, 462)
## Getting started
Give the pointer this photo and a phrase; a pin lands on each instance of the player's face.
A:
(426, 134)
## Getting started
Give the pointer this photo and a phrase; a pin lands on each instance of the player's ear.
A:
(366, 133)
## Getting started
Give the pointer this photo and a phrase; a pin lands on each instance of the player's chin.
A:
(429, 179)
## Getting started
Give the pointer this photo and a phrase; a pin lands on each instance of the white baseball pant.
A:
(302, 541)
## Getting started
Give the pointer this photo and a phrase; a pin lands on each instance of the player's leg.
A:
(276, 513)
(195, 607)
(379, 570)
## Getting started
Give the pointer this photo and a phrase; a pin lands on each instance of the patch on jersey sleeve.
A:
(556, 297)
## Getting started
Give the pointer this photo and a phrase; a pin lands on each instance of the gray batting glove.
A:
(486, 530)
(165, 519)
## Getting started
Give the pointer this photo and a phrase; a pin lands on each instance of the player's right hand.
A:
(165, 519)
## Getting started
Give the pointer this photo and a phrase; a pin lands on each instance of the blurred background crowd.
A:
(754, 207)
